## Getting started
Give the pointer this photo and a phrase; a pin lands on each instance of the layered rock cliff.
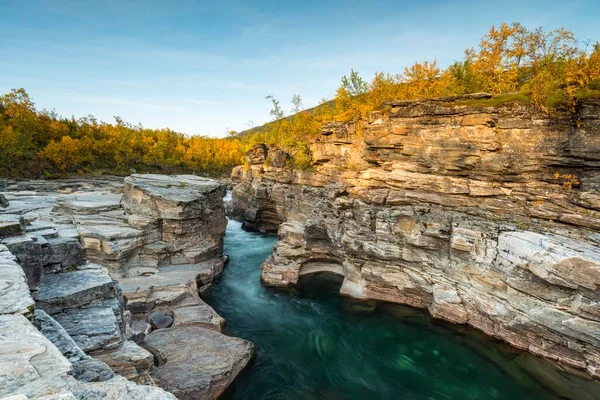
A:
(484, 215)
(156, 242)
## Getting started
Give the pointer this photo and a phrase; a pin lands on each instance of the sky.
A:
(204, 67)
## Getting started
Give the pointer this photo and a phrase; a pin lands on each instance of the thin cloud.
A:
(121, 101)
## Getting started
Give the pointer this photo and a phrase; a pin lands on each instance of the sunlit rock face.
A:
(486, 216)
(159, 220)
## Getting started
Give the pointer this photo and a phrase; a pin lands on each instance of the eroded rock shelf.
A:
(100, 280)
(486, 216)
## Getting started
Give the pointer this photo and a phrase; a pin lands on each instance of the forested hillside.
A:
(41, 143)
(551, 69)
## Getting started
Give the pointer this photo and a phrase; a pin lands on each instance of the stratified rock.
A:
(74, 290)
(29, 254)
(10, 228)
(159, 220)
(189, 208)
(63, 253)
(87, 303)
(85, 368)
(93, 329)
(130, 361)
(197, 363)
(158, 320)
(26, 355)
(15, 297)
(463, 210)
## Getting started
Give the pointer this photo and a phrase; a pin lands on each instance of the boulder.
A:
(158, 320)
(3, 201)
(197, 363)
(130, 361)
(137, 331)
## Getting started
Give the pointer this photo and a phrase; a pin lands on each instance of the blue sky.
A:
(203, 67)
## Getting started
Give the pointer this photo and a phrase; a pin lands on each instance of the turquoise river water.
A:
(315, 344)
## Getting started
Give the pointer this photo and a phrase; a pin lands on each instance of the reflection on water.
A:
(317, 345)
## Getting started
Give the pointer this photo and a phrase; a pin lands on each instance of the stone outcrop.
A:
(51, 365)
(87, 304)
(14, 291)
(156, 245)
(486, 216)
(197, 363)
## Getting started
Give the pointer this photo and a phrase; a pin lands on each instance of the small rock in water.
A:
(159, 320)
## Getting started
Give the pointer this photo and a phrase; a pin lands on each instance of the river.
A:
(317, 345)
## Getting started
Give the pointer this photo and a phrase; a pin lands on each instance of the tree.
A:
(354, 85)
(296, 104)
(276, 112)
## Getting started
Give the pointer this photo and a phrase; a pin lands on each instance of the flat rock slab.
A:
(197, 363)
(73, 289)
(15, 297)
(118, 388)
(26, 355)
(169, 197)
(88, 203)
(93, 329)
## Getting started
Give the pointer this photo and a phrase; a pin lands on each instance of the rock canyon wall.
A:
(484, 215)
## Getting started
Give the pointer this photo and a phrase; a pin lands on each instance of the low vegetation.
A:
(551, 69)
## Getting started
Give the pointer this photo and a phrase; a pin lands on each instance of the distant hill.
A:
(263, 127)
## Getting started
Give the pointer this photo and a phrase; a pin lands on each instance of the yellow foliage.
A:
(550, 68)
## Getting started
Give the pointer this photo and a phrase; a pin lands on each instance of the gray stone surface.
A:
(158, 320)
(73, 290)
(87, 303)
(63, 253)
(130, 361)
(93, 329)
(29, 254)
(26, 355)
(10, 228)
(197, 363)
(85, 368)
(15, 297)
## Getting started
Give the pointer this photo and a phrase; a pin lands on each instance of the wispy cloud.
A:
(123, 101)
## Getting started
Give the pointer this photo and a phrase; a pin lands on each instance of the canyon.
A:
(484, 214)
